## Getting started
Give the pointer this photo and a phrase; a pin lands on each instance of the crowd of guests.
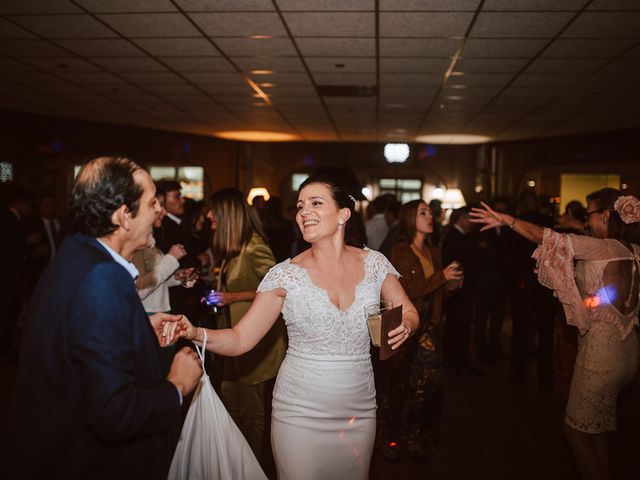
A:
(207, 260)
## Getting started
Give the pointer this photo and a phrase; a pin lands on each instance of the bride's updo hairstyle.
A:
(605, 199)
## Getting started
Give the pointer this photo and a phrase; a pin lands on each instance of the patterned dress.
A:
(608, 346)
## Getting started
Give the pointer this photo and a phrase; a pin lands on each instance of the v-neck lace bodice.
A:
(317, 326)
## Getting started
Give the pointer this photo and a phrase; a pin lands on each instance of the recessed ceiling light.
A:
(457, 87)
(395, 105)
(260, 37)
(267, 85)
(256, 136)
(452, 139)
(257, 95)
(261, 72)
(457, 74)
(259, 104)
(454, 97)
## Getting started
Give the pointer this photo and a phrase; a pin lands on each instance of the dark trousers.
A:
(533, 307)
(456, 330)
(490, 308)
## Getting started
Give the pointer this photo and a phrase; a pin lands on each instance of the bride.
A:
(324, 410)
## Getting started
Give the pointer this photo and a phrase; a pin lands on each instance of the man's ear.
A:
(121, 217)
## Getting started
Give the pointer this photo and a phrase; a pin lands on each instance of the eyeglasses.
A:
(588, 214)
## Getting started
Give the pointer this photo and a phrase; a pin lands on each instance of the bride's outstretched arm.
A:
(392, 290)
(254, 325)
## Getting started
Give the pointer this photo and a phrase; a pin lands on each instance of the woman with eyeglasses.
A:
(600, 296)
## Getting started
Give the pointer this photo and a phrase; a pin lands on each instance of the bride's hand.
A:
(399, 335)
(164, 326)
(184, 329)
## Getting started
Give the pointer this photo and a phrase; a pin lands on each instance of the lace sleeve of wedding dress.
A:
(381, 267)
(277, 277)
(555, 269)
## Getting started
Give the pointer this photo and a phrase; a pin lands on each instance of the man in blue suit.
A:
(91, 401)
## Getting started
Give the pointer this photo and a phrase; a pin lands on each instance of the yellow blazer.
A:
(240, 274)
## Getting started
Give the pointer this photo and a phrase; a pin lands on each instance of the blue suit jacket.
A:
(91, 401)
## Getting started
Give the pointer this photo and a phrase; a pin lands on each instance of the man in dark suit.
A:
(13, 252)
(91, 401)
(46, 230)
(459, 305)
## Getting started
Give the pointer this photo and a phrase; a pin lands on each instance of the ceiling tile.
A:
(480, 79)
(423, 47)
(290, 93)
(422, 79)
(429, 5)
(530, 24)
(113, 47)
(331, 24)
(613, 5)
(29, 78)
(8, 65)
(490, 65)
(177, 47)
(565, 65)
(225, 5)
(30, 48)
(239, 24)
(127, 6)
(96, 78)
(277, 64)
(198, 64)
(65, 26)
(317, 5)
(235, 47)
(9, 7)
(420, 24)
(365, 79)
(10, 31)
(283, 79)
(548, 81)
(140, 25)
(396, 92)
(217, 89)
(152, 78)
(533, 5)
(349, 65)
(130, 64)
(589, 48)
(502, 48)
(414, 65)
(217, 78)
(167, 89)
(605, 25)
(60, 65)
(335, 47)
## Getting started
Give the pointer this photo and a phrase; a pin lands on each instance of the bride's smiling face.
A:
(318, 215)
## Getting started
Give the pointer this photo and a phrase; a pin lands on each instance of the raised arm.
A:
(392, 290)
(254, 325)
(491, 219)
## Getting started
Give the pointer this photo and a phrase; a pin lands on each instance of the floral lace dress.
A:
(608, 346)
(324, 409)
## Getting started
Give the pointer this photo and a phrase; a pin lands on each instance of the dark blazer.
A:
(91, 400)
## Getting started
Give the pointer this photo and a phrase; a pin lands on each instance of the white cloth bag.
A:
(211, 447)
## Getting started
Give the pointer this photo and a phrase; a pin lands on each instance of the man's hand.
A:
(164, 326)
(186, 370)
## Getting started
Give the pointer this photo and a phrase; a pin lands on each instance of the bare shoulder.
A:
(357, 253)
(302, 259)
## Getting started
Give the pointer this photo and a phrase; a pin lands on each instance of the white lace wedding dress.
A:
(324, 409)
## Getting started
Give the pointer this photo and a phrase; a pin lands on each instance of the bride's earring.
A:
(340, 225)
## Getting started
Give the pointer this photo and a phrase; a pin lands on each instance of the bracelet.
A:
(512, 225)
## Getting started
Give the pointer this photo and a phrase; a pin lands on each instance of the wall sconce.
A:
(258, 192)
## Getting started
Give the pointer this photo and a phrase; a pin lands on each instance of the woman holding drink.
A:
(324, 410)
